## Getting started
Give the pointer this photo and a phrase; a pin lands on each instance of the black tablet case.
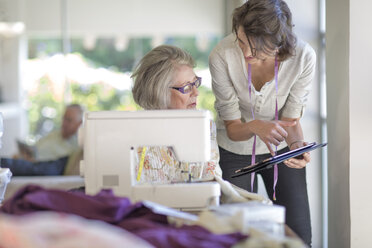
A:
(268, 163)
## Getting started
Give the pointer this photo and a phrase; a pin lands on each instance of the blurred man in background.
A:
(58, 143)
(55, 154)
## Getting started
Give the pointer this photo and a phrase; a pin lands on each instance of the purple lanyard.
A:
(276, 118)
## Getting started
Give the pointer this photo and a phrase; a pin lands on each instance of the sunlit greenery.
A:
(100, 95)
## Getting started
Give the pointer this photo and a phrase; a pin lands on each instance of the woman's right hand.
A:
(271, 132)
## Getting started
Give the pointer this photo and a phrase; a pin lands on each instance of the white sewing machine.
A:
(111, 137)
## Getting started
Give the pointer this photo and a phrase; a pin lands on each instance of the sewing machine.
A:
(110, 139)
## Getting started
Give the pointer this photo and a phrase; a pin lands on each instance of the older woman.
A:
(165, 79)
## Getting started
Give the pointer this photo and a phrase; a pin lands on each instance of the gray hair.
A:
(154, 73)
(78, 107)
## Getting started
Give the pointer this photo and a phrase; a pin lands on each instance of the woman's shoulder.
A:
(304, 50)
(226, 45)
(226, 50)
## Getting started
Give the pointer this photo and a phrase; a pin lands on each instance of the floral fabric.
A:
(160, 165)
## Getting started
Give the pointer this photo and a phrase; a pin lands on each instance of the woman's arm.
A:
(270, 132)
(295, 104)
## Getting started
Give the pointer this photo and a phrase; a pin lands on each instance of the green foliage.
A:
(101, 96)
(105, 55)
(94, 97)
(206, 100)
(40, 47)
(97, 97)
(39, 99)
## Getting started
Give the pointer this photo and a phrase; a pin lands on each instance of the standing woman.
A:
(261, 75)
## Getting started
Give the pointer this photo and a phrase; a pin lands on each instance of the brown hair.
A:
(267, 25)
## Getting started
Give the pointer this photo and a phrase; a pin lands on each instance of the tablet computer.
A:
(267, 163)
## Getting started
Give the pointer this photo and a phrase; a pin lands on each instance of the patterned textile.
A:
(160, 165)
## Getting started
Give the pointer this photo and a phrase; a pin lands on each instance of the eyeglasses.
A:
(188, 87)
(253, 50)
(255, 54)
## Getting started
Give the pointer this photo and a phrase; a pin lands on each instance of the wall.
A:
(337, 56)
(11, 57)
(129, 17)
(349, 88)
(360, 86)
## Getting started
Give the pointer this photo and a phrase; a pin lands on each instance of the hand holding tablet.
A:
(267, 163)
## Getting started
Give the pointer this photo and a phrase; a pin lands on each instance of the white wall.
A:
(349, 87)
(129, 17)
(11, 57)
(360, 86)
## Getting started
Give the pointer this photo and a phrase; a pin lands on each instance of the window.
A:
(96, 73)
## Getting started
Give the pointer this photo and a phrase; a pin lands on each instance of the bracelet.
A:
(294, 142)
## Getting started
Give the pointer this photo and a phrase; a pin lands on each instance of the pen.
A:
(252, 166)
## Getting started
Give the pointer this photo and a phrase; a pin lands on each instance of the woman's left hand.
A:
(298, 163)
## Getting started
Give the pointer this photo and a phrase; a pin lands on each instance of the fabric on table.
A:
(233, 194)
(38, 230)
(237, 221)
(119, 211)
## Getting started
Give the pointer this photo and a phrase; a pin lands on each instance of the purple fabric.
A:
(118, 211)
